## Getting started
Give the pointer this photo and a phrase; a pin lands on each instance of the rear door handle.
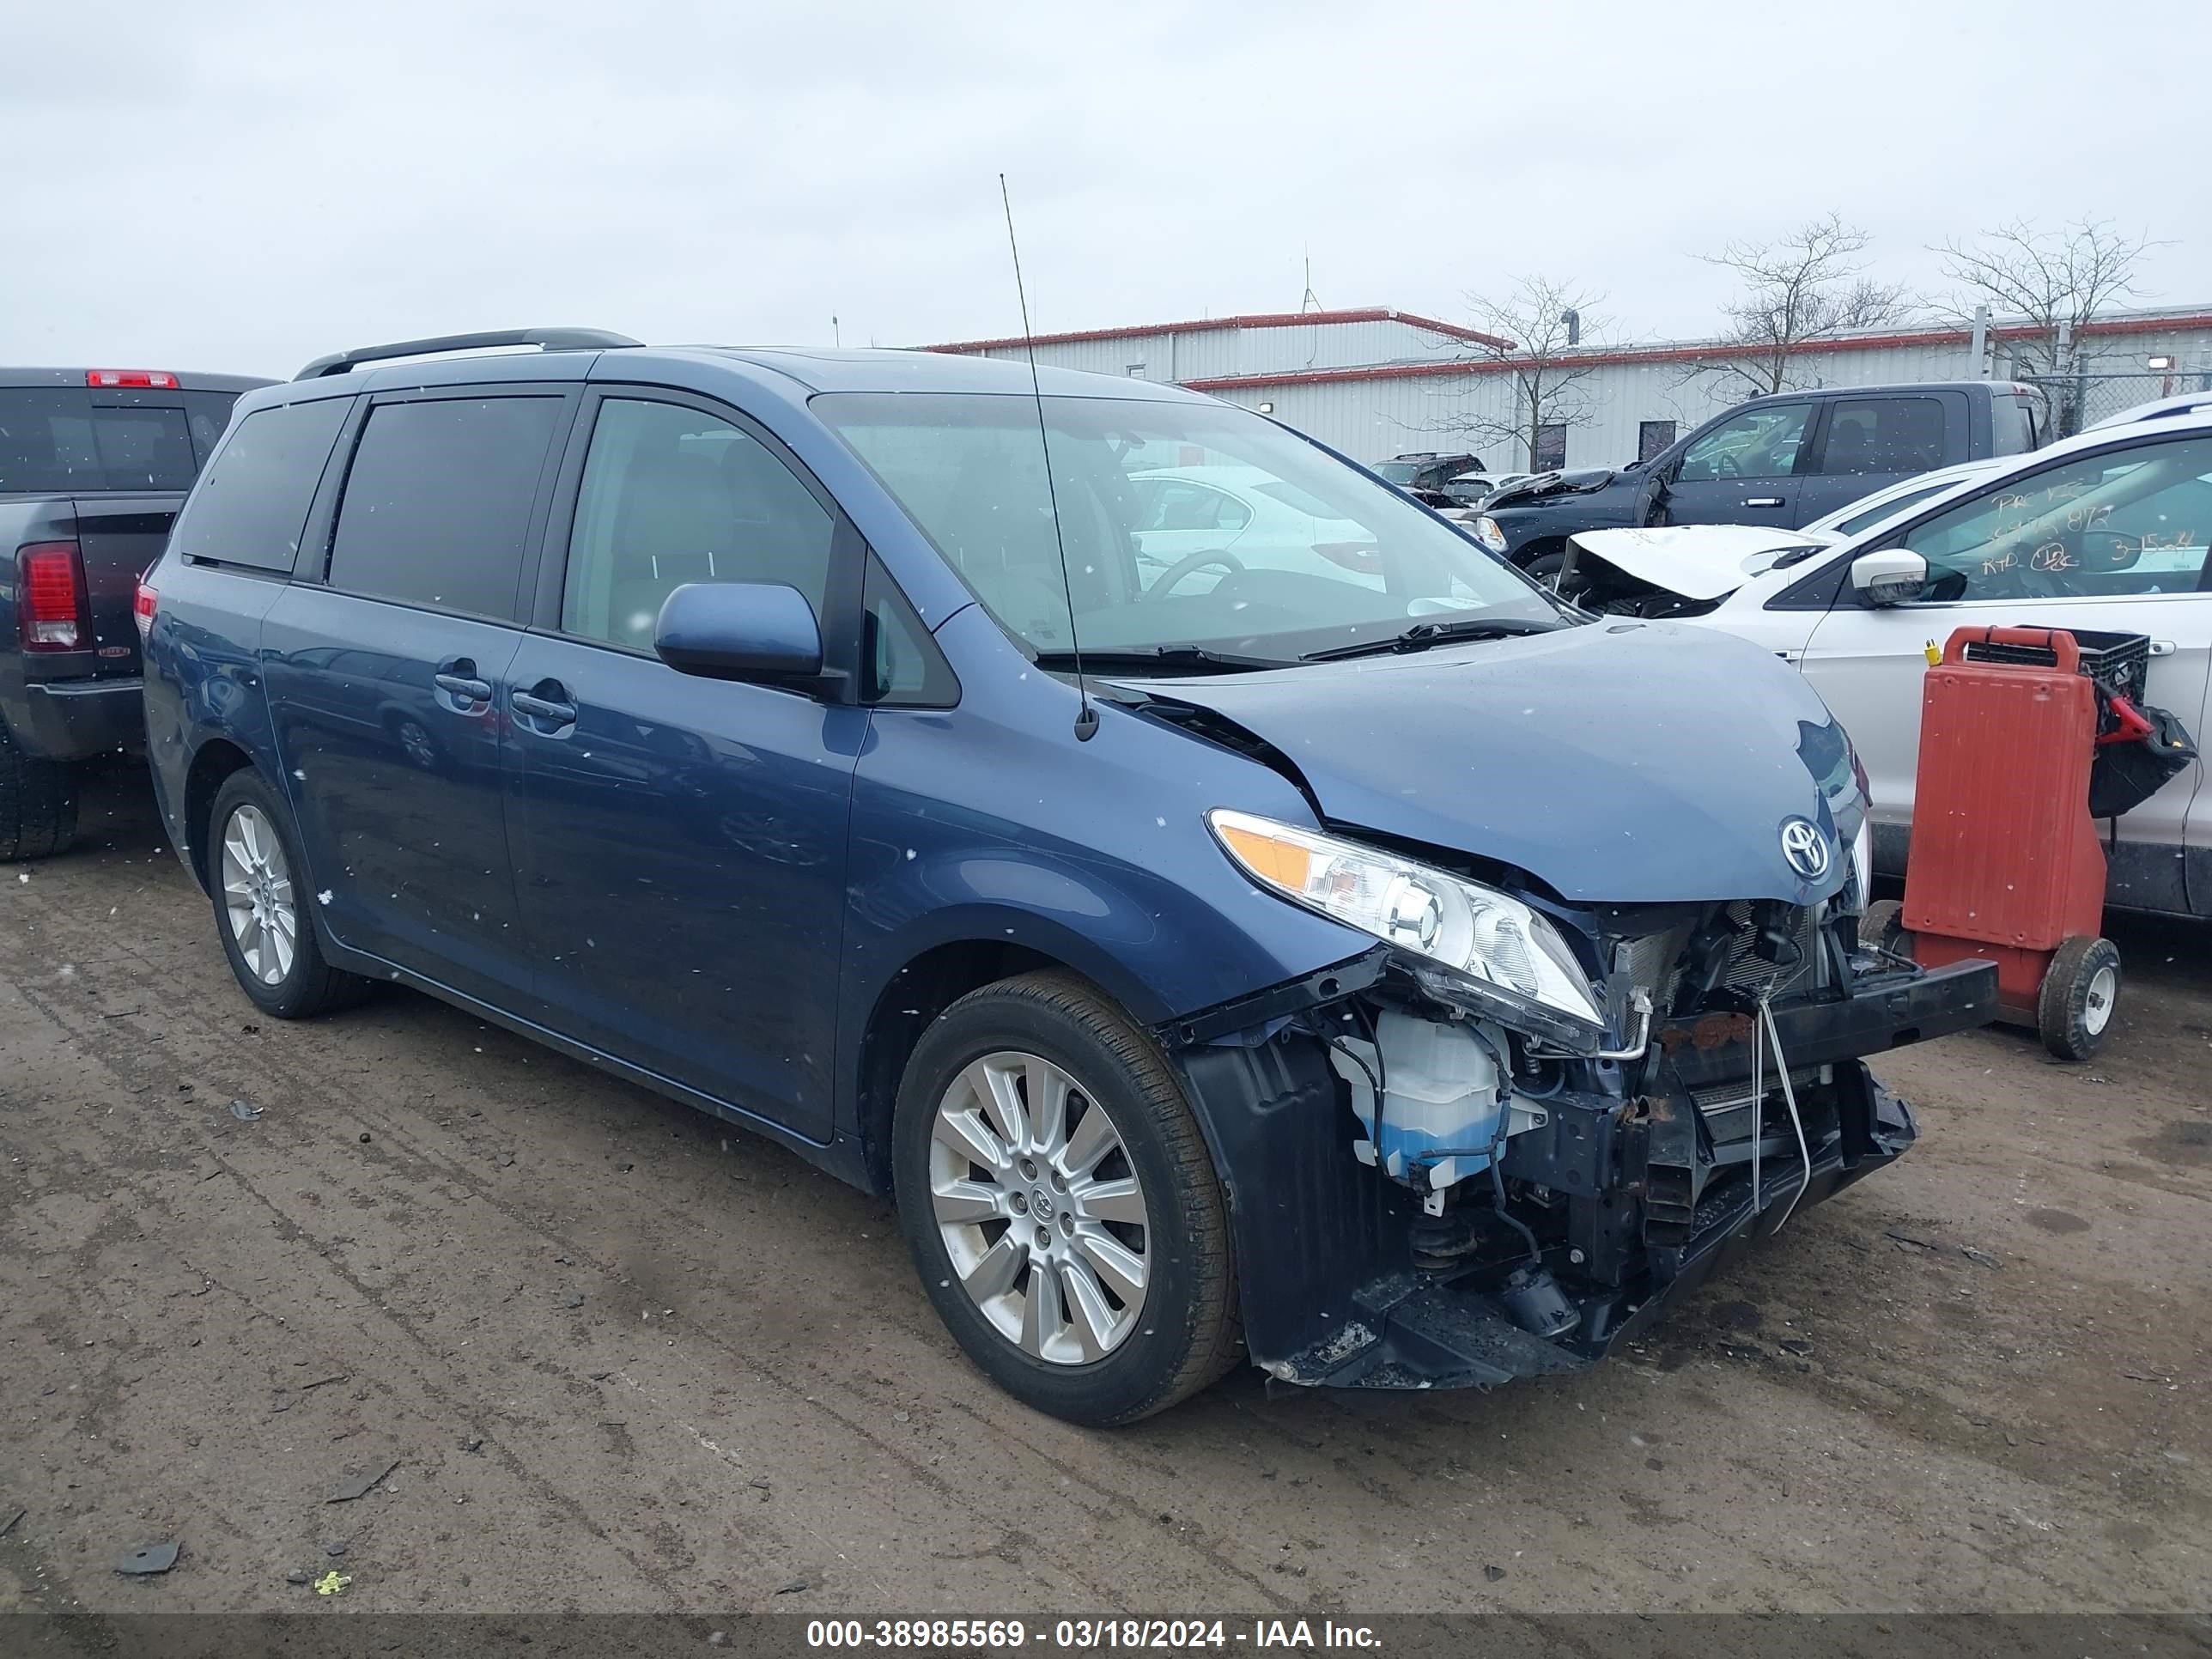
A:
(1763, 500)
(462, 686)
(544, 708)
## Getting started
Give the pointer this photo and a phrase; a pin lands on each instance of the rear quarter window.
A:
(437, 502)
(252, 505)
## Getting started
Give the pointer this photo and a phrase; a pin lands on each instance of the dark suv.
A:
(1780, 461)
(1355, 960)
(1428, 469)
(93, 464)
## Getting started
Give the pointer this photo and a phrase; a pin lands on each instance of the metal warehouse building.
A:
(1376, 383)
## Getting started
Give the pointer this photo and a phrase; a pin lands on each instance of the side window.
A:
(672, 496)
(1882, 434)
(208, 413)
(900, 663)
(252, 504)
(2012, 425)
(1760, 443)
(2133, 521)
(437, 503)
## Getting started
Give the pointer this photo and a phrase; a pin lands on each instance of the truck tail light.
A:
(51, 611)
(144, 604)
(157, 379)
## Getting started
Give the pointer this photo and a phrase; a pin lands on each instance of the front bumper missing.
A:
(1330, 1293)
(1410, 1331)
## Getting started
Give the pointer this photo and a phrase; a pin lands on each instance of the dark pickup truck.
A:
(1783, 460)
(93, 465)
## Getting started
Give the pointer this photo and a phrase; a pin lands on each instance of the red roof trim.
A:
(1686, 354)
(1264, 319)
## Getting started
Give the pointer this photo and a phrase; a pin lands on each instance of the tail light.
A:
(144, 604)
(156, 380)
(51, 611)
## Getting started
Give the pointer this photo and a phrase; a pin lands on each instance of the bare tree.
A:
(1537, 332)
(1805, 287)
(2056, 282)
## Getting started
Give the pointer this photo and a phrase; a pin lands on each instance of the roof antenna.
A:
(1086, 717)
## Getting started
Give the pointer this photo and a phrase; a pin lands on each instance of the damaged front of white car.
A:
(1691, 570)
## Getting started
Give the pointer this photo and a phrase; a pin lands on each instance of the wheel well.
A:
(916, 995)
(1526, 555)
(216, 760)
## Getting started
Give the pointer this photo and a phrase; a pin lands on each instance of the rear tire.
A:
(1047, 1210)
(38, 802)
(260, 887)
(2074, 1009)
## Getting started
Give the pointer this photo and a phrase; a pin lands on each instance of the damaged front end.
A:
(1433, 1186)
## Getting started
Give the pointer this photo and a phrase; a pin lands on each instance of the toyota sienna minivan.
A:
(1365, 965)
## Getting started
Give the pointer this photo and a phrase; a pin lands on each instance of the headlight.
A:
(1487, 532)
(1504, 949)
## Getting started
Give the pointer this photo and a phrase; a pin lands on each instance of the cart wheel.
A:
(1882, 927)
(2074, 1008)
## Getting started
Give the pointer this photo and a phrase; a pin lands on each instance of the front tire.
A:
(38, 802)
(259, 882)
(1061, 1206)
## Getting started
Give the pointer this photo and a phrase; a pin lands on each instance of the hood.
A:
(1698, 560)
(1580, 483)
(1618, 762)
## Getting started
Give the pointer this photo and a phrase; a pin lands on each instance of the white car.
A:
(1196, 524)
(2106, 531)
(1469, 491)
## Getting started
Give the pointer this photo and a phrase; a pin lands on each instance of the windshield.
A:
(1186, 524)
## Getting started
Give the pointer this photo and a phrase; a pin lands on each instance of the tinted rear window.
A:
(251, 506)
(58, 441)
(437, 504)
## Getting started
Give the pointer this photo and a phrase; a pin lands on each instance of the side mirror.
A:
(1890, 576)
(763, 631)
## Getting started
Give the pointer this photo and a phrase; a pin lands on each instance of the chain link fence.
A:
(2081, 399)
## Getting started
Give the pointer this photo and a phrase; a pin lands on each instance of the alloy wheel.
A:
(257, 892)
(1040, 1208)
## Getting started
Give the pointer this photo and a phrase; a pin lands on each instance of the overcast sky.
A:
(231, 184)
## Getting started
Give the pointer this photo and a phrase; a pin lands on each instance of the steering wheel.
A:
(1194, 561)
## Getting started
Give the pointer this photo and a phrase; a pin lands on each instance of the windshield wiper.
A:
(1421, 635)
(1156, 656)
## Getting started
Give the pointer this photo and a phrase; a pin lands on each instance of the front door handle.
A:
(462, 686)
(544, 708)
(2161, 647)
(1763, 500)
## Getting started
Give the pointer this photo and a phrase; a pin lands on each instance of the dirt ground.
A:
(618, 1357)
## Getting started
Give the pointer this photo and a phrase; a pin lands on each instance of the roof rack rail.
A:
(547, 339)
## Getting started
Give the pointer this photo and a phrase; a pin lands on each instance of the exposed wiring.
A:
(1790, 1098)
(1497, 1203)
(1374, 1088)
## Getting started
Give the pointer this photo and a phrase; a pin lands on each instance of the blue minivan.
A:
(1287, 935)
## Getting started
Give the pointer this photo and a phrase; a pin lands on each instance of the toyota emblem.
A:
(1801, 844)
